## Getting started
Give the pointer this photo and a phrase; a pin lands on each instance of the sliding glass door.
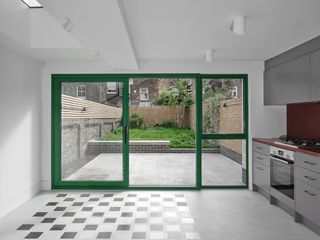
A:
(224, 130)
(149, 131)
(87, 110)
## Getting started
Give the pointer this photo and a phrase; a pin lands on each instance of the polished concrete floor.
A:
(217, 214)
(162, 169)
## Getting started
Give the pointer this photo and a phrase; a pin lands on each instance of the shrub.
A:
(136, 121)
(167, 124)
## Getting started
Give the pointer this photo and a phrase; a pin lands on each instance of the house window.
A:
(234, 92)
(81, 91)
(144, 94)
(112, 88)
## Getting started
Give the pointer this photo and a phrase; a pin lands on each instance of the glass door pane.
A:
(224, 150)
(91, 112)
(222, 106)
(162, 132)
(224, 162)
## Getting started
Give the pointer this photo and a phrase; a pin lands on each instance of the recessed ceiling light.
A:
(32, 3)
(238, 25)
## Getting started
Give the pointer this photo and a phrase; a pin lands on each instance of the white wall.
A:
(20, 88)
(263, 121)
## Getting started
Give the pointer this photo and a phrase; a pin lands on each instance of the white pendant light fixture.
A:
(238, 25)
(32, 3)
(208, 55)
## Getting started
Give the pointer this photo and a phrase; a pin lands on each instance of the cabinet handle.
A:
(260, 158)
(261, 169)
(311, 194)
(310, 163)
(310, 178)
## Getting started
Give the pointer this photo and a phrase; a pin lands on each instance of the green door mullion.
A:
(126, 125)
(198, 132)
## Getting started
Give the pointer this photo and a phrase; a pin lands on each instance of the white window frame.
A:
(145, 92)
(234, 92)
(112, 88)
(81, 91)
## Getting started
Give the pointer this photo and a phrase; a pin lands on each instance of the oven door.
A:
(282, 176)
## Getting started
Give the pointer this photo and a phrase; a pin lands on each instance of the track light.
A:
(208, 55)
(238, 25)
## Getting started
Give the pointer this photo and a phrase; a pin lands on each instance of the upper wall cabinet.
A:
(315, 76)
(293, 76)
(273, 86)
(288, 82)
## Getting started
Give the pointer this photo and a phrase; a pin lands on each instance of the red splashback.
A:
(303, 120)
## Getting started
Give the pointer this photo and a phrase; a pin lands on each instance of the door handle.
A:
(126, 133)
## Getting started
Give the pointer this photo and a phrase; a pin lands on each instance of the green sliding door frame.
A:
(58, 79)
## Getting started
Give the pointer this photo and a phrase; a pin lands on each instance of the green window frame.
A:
(58, 79)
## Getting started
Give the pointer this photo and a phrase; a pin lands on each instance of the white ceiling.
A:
(126, 31)
(181, 29)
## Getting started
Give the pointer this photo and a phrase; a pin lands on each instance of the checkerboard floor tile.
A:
(120, 216)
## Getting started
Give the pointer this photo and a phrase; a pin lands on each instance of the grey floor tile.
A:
(68, 235)
(40, 214)
(48, 220)
(91, 227)
(33, 235)
(58, 227)
(104, 235)
(79, 220)
(139, 235)
(123, 227)
(25, 227)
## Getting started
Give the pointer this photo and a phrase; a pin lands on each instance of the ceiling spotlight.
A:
(208, 55)
(238, 25)
(68, 25)
(32, 3)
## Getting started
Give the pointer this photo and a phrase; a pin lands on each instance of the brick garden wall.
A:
(231, 122)
(75, 134)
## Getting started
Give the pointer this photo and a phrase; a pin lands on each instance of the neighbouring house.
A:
(109, 93)
(143, 92)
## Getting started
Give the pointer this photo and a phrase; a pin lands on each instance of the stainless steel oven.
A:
(282, 171)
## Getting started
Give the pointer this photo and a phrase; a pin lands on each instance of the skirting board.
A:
(9, 205)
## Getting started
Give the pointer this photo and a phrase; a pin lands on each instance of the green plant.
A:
(166, 98)
(167, 124)
(136, 121)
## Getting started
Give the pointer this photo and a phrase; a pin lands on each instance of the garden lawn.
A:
(178, 137)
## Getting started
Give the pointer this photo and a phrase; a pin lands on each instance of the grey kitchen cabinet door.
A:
(315, 76)
(274, 86)
(307, 201)
(261, 176)
(297, 80)
(288, 83)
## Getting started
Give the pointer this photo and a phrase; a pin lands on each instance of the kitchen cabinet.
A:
(288, 82)
(261, 168)
(315, 75)
(307, 201)
(261, 176)
(274, 86)
(307, 187)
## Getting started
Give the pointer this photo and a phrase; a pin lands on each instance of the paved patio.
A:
(162, 169)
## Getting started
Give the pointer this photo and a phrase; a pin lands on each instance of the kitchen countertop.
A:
(271, 142)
